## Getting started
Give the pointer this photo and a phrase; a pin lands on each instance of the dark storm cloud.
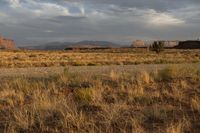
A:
(160, 5)
(38, 21)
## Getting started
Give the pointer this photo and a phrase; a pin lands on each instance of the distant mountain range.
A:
(63, 45)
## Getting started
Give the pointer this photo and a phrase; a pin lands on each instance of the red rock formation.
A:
(7, 43)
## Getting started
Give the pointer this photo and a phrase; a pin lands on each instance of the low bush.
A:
(157, 47)
(168, 73)
(84, 95)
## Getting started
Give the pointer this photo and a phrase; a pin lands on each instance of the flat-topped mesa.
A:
(7, 44)
(190, 44)
(138, 44)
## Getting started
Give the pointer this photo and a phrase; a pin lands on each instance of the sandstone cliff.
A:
(7, 44)
(138, 44)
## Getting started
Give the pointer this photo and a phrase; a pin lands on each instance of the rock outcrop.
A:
(170, 43)
(188, 45)
(138, 44)
(7, 44)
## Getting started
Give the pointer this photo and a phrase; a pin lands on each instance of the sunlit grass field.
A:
(165, 101)
(122, 56)
(100, 91)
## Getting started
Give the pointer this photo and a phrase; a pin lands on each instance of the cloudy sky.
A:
(31, 22)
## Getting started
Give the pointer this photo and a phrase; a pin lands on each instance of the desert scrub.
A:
(120, 56)
(66, 71)
(168, 73)
(195, 103)
(157, 47)
(114, 75)
(181, 126)
(198, 73)
(175, 72)
(84, 95)
(143, 77)
(111, 102)
(10, 98)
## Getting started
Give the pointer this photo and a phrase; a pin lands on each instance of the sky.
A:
(33, 22)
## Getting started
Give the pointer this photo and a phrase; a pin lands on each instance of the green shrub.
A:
(157, 47)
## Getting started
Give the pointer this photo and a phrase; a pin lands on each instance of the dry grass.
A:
(114, 103)
(96, 57)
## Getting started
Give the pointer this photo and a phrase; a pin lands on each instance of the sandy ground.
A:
(46, 71)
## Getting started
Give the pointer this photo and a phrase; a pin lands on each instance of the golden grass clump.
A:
(114, 75)
(181, 126)
(144, 77)
(84, 95)
(195, 103)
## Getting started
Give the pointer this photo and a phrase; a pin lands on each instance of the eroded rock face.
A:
(7, 44)
(138, 43)
(189, 45)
